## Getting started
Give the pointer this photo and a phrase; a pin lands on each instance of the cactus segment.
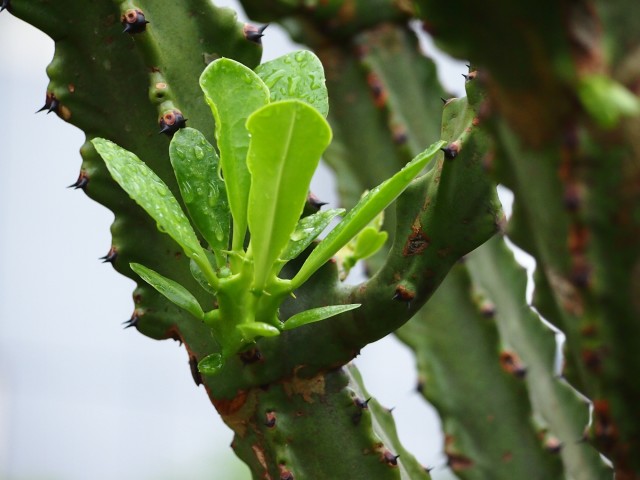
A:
(485, 409)
(297, 75)
(195, 164)
(502, 281)
(232, 102)
(287, 139)
(278, 431)
(563, 114)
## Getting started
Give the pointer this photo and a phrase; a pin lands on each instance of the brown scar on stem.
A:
(511, 363)
(307, 387)
(259, 453)
(417, 242)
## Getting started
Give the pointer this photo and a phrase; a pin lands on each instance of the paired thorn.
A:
(133, 321)
(81, 182)
(133, 21)
(111, 256)
(254, 34)
(171, 122)
(51, 103)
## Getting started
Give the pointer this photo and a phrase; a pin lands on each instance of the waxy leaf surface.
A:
(316, 315)
(173, 291)
(234, 92)
(287, 140)
(364, 212)
(297, 75)
(152, 194)
(195, 164)
(307, 231)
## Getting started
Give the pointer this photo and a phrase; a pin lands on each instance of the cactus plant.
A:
(551, 112)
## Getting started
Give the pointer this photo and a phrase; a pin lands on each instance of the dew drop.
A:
(187, 192)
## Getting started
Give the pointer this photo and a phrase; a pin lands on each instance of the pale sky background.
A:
(79, 396)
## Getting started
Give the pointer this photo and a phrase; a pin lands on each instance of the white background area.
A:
(81, 398)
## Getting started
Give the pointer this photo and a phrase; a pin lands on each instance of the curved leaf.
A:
(316, 315)
(195, 164)
(297, 75)
(287, 140)
(151, 193)
(173, 291)
(307, 231)
(234, 92)
(366, 209)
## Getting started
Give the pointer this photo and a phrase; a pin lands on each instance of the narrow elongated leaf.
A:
(316, 315)
(195, 164)
(257, 329)
(151, 193)
(234, 92)
(365, 210)
(307, 231)
(200, 277)
(297, 75)
(173, 291)
(287, 139)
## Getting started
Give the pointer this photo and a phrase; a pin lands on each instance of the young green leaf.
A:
(287, 140)
(211, 364)
(316, 315)
(306, 231)
(173, 291)
(257, 329)
(151, 193)
(297, 75)
(200, 277)
(234, 92)
(195, 164)
(366, 209)
(362, 246)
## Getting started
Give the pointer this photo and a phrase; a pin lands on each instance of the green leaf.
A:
(297, 75)
(316, 315)
(257, 329)
(307, 231)
(200, 277)
(606, 100)
(211, 364)
(173, 291)
(151, 193)
(287, 140)
(368, 242)
(366, 209)
(195, 164)
(234, 92)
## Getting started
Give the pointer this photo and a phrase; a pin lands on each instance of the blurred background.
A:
(79, 396)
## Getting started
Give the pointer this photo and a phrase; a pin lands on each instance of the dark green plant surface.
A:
(127, 87)
(564, 119)
(552, 112)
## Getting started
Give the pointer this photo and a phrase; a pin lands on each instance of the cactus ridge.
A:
(571, 163)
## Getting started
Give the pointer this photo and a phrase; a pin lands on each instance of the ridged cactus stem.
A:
(324, 426)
